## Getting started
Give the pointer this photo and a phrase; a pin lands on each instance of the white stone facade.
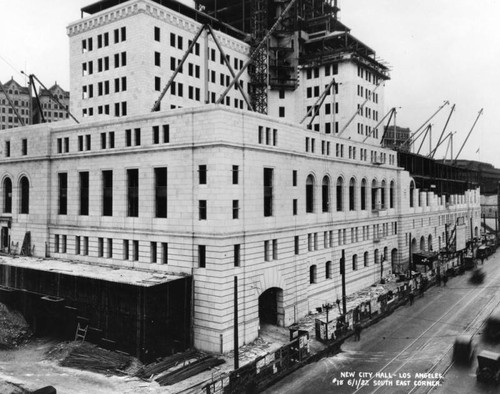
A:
(220, 138)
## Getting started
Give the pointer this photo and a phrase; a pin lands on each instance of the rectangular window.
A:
(161, 192)
(166, 133)
(157, 59)
(266, 251)
(110, 248)
(153, 252)
(7, 148)
(64, 243)
(202, 205)
(103, 140)
(202, 173)
(56, 243)
(135, 250)
(84, 193)
(268, 192)
(295, 206)
(164, 253)
(157, 84)
(296, 244)
(202, 257)
(111, 139)
(236, 209)
(128, 137)
(275, 249)
(235, 175)
(294, 178)
(107, 193)
(157, 33)
(100, 247)
(137, 134)
(125, 249)
(88, 142)
(133, 193)
(85, 249)
(24, 150)
(237, 249)
(77, 245)
(63, 193)
(156, 134)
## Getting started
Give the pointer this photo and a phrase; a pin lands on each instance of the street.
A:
(411, 350)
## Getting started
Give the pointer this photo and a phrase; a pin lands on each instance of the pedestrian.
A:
(422, 289)
(411, 296)
(445, 279)
(438, 279)
(357, 332)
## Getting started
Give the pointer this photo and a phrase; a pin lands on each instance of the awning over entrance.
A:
(426, 258)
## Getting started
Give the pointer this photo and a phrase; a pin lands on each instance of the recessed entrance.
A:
(271, 307)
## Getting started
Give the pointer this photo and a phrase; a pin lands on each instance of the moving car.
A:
(477, 276)
(492, 329)
(463, 349)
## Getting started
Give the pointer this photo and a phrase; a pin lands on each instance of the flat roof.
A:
(115, 274)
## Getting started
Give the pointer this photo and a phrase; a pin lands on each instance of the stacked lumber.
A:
(203, 364)
(94, 359)
(165, 364)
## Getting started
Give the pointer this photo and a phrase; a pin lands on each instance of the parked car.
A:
(488, 369)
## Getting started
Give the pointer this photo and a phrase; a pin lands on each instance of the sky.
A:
(437, 50)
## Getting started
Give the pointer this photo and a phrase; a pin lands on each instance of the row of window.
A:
(314, 91)
(313, 269)
(367, 75)
(132, 192)
(119, 35)
(158, 251)
(103, 88)
(120, 110)
(159, 134)
(368, 94)
(368, 112)
(329, 69)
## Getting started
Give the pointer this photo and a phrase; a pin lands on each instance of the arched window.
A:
(382, 195)
(365, 259)
(310, 194)
(412, 192)
(354, 262)
(375, 256)
(7, 195)
(25, 195)
(363, 194)
(352, 195)
(429, 243)
(391, 195)
(312, 274)
(340, 191)
(422, 243)
(328, 270)
(374, 194)
(325, 193)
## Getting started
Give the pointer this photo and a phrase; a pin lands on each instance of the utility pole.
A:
(236, 352)
(342, 272)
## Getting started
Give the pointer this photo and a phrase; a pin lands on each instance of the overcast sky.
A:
(437, 50)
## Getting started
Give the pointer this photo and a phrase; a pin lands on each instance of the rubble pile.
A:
(14, 330)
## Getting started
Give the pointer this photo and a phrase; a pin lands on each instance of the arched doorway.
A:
(422, 243)
(271, 307)
(394, 259)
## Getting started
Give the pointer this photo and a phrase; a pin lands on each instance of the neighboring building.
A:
(20, 97)
(211, 192)
(396, 137)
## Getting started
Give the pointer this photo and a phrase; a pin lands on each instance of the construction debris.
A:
(92, 358)
(14, 330)
(178, 367)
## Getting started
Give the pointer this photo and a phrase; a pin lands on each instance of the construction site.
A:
(226, 172)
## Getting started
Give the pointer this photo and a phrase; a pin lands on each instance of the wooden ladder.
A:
(81, 332)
